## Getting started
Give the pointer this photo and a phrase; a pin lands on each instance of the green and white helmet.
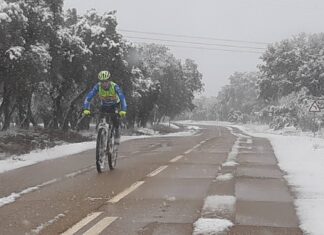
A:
(103, 75)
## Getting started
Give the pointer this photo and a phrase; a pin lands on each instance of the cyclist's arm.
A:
(90, 95)
(121, 97)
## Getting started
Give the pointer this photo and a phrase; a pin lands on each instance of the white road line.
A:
(46, 224)
(176, 158)
(127, 191)
(156, 171)
(196, 146)
(100, 226)
(14, 196)
(82, 223)
(188, 151)
(204, 141)
(79, 172)
(122, 156)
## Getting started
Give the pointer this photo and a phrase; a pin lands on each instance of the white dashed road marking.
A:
(14, 196)
(177, 158)
(196, 146)
(188, 151)
(105, 222)
(100, 226)
(82, 223)
(157, 171)
(127, 191)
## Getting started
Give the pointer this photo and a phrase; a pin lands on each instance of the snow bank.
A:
(65, 150)
(206, 226)
(42, 155)
(222, 204)
(146, 131)
(227, 176)
(171, 125)
(302, 157)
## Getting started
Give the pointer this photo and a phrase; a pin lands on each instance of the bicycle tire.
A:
(101, 149)
(112, 155)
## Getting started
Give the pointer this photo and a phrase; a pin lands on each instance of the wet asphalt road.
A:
(159, 187)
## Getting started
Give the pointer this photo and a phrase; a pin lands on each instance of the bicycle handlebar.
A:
(92, 114)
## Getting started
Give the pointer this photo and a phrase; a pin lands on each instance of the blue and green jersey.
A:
(109, 98)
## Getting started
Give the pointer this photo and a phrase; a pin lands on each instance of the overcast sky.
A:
(249, 20)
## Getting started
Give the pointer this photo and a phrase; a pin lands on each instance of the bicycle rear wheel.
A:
(101, 151)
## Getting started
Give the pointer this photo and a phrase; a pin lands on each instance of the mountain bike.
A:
(106, 150)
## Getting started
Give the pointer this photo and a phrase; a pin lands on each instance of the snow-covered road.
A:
(301, 156)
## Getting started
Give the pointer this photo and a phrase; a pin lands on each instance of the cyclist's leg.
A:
(116, 123)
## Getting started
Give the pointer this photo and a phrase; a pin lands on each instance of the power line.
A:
(208, 49)
(196, 37)
(197, 43)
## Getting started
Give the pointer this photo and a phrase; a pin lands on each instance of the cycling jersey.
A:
(109, 98)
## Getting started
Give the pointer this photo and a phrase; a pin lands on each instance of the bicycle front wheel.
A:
(101, 151)
(112, 152)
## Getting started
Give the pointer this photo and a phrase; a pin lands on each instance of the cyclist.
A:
(112, 101)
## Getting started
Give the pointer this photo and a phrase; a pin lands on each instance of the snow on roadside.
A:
(229, 164)
(48, 223)
(171, 125)
(207, 226)
(65, 150)
(204, 123)
(42, 155)
(179, 134)
(146, 131)
(225, 177)
(219, 203)
(13, 196)
(302, 158)
(193, 127)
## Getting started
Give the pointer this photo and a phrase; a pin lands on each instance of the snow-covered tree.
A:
(177, 82)
(292, 64)
(24, 55)
(13, 23)
(49, 60)
(238, 100)
(291, 69)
